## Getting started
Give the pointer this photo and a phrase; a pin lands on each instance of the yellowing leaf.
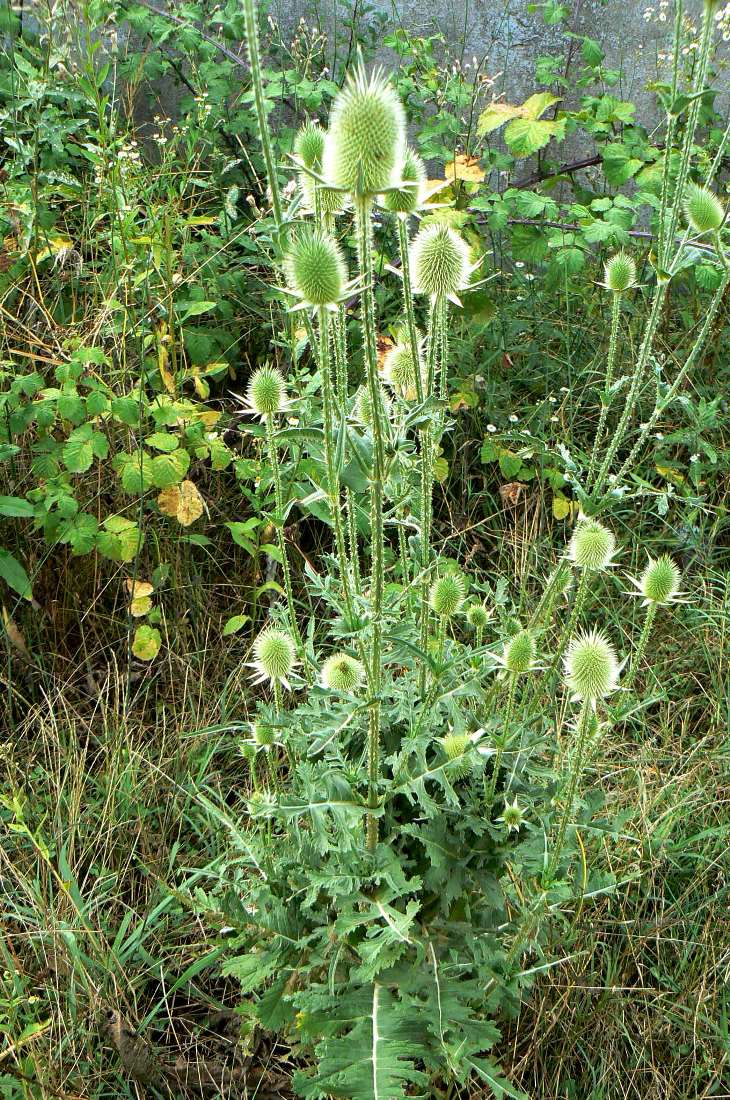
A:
(146, 643)
(138, 589)
(441, 470)
(537, 104)
(14, 634)
(495, 115)
(168, 500)
(465, 168)
(54, 245)
(190, 505)
(383, 344)
(209, 418)
(168, 380)
(139, 607)
(564, 508)
(670, 474)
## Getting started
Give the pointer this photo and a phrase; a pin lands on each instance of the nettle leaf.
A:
(374, 1056)
(162, 441)
(128, 410)
(82, 447)
(79, 533)
(170, 469)
(135, 472)
(525, 136)
(120, 540)
(619, 165)
(526, 132)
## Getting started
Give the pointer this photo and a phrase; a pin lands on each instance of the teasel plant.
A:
(658, 586)
(591, 673)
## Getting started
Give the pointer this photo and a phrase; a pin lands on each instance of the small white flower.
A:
(491, 427)
(513, 419)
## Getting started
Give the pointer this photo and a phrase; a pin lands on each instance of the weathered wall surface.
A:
(513, 37)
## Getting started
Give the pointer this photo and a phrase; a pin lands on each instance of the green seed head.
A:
(363, 408)
(456, 747)
(519, 652)
(591, 666)
(447, 595)
(702, 209)
(409, 195)
(660, 580)
(309, 145)
(274, 653)
(263, 735)
(341, 672)
(365, 144)
(399, 370)
(592, 545)
(512, 816)
(439, 261)
(619, 274)
(477, 615)
(266, 392)
(315, 268)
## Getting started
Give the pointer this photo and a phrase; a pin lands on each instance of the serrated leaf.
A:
(138, 589)
(79, 533)
(525, 136)
(78, 450)
(120, 540)
(170, 469)
(135, 471)
(538, 103)
(495, 115)
(146, 643)
(190, 504)
(162, 441)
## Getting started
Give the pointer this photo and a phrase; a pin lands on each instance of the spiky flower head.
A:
(309, 145)
(659, 583)
(274, 655)
(477, 615)
(591, 666)
(365, 143)
(456, 747)
(439, 261)
(513, 816)
(315, 268)
(340, 672)
(363, 407)
(592, 545)
(266, 393)
(619, 273)
(447, 595)
(264, 736)
(399, 370)
(702, 209)
(519, 652)
(408, 195)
